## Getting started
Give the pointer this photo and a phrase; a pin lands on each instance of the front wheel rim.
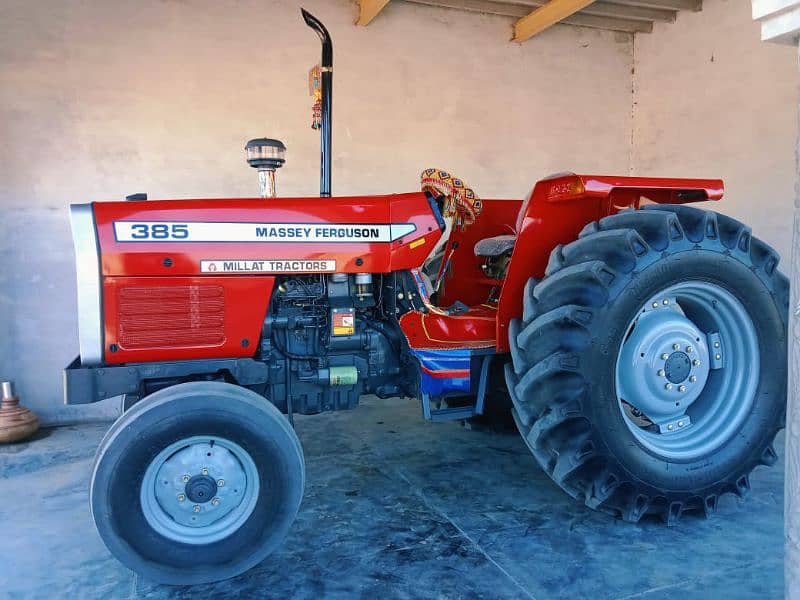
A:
(199, 490)
(687, 370)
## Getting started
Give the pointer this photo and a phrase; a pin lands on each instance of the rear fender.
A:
(561, 205)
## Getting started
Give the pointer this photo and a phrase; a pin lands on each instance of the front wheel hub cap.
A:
(663, 388)
(201, 488)
(181, 497)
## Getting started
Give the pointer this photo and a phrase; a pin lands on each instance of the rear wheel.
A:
(197, 483)
(649, 368)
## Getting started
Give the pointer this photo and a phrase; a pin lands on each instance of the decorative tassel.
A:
(460, 202)
(315, 91)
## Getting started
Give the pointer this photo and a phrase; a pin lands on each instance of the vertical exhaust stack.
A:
(327, 89)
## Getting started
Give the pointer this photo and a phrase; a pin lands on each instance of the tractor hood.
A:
(233, 245)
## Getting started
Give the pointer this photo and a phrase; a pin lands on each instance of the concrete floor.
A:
(399, 508)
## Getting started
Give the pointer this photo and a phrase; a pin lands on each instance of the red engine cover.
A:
(191, 279)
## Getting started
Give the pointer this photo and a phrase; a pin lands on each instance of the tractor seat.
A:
(495, 246)
(502, 244)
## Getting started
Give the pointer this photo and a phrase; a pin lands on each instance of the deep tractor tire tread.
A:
(562, 315)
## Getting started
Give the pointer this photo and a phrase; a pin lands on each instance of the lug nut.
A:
(204, 471)
(185, 478)
(668, 386)
(661, 373)
(693, 379)
(696, 362)
(220, 482)
(666, 303)
(655, 304)
(181, 497)
(215, 501)
(676, 346)
(669, 426)
(680, 423)
(196, 508)
(716, 344)
(681, 388)
(717, 356)
(664, 356)
(689, 349)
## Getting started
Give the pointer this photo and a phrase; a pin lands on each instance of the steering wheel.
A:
(460, 201)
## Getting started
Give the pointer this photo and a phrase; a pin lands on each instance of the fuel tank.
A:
(191, 279)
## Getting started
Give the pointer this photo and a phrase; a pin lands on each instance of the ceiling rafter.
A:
(513, 9)
(692, 5)
(546, 16)
(611, 8)
(534, 16)
(368, 10)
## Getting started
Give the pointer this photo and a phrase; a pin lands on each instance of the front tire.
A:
(649, 367)
(197, 483)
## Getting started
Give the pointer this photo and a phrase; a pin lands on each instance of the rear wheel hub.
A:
(685, 370)
(677, 367)
(663, 364)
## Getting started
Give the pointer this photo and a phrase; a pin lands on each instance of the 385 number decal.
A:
(159, 231)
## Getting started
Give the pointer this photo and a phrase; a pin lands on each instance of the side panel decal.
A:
(201, 231)
(267, 266)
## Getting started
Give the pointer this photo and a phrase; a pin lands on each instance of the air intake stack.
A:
(266, 155)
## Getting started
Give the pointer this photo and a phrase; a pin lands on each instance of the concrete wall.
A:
(712, 100)
(100, 99)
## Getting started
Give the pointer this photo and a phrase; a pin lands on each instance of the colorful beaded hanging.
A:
(460, 201)
(315, 91)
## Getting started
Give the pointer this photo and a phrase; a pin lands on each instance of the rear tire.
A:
(197, 483)
(568, 370)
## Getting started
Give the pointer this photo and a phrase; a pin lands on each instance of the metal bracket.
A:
(675, 425)
(715, 351)
(663, 303)
(458, 413)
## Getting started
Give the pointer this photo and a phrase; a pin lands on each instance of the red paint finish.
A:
(445, 374)
(467, 282)
(436, 330)
(151, 319)
(147, 258)
(555, 213)
(158, 306)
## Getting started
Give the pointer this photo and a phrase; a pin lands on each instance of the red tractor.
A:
(640, 343)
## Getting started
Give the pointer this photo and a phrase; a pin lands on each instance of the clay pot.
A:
(16, 422)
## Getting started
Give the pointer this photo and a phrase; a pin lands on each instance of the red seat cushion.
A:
(475, 328)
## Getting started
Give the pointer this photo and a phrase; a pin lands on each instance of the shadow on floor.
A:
(399, 508)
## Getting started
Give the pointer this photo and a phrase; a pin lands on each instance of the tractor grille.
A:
(171, 316)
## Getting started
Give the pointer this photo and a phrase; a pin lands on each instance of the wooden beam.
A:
(609, 24)
(505, 9)
(513, 9)
(692, 5)
(546, 16)
(368, 10)
(610, 8)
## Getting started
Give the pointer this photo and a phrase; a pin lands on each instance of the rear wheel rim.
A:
(687, 370)
(199, 490)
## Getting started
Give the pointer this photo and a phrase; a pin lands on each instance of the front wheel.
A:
(649, 369)
(197, 483)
